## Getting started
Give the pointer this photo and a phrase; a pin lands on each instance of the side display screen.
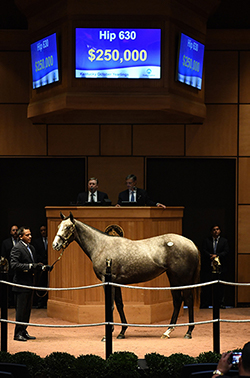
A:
(190, 61)
(44, 61)
(118, 53)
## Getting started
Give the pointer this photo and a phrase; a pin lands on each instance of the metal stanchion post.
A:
(108, 309)
(216, 306)
(4, 303)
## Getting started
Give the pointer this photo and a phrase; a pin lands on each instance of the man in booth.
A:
(134, 195)
(92, 196)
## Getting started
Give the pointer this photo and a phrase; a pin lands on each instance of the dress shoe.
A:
(20, 338)
(28, 337)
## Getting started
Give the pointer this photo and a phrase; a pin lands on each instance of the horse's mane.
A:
(95, 229)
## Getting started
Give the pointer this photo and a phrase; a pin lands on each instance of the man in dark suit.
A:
(41, 247)
(7, 245)
(23, 261)
(92, 195)
(213, 246)
(134, 194)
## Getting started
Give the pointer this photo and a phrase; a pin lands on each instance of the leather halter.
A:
(65, 240)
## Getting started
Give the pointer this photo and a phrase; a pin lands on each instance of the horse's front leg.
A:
(177, 301)
(189, 301)
(119, 306)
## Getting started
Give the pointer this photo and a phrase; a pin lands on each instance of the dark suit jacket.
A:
(7, 246)
(83, 197)
(142, 198)
(41, 252)
(222, 251)
(19, 261)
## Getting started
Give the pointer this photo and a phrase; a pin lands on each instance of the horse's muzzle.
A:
(57, 245)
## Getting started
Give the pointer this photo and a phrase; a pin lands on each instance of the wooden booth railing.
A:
(74, 269)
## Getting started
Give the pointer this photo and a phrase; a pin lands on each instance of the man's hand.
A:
(161, 205)
(224, 365)
(47, 268)
(37, 266)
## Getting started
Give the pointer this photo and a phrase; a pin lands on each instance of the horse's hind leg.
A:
(119, 306)
(189, 301)
(177, 301)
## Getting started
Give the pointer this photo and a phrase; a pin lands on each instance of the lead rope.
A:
(46, 291)
(64, 245)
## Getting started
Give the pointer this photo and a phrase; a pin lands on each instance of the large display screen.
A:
(190, 61)
(118, 53)
(44, 61)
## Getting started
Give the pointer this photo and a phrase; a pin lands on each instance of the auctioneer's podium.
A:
(74, 269)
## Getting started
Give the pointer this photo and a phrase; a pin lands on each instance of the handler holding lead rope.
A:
(23, 261)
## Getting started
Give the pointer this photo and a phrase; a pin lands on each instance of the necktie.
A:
(92, 197)
(31, 254)
(45, 243)
(215, 245)
(132, 196)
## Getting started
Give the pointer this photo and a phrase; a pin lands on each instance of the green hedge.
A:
(119, 364)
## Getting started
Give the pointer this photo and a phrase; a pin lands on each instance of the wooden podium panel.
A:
(75, 269)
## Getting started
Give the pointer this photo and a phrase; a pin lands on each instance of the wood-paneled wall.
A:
(125, 148)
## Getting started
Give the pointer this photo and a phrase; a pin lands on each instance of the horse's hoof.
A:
(121, 336)
(188, 336)
(165, 336)
(104, 339)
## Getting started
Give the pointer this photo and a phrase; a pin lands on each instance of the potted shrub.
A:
(177, 361)
(60, 364)
(158, 366)
(5, 356)
(208, 357)
(33, 362)
(90, 366)
(122, 365)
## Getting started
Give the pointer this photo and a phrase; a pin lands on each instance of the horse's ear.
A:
(62, 216)
(71, 217)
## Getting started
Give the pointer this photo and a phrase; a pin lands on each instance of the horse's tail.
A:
(196, 280)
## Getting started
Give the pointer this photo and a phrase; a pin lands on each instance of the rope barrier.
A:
(234, 283)
(53, 289)
(126, 324)
(126, 286)
(166, 288)
(53, 325)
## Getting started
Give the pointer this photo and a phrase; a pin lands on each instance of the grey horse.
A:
(135, 261)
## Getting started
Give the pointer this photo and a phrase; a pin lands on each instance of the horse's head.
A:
(65, 234)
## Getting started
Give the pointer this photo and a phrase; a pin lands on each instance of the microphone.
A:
(91, 190)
